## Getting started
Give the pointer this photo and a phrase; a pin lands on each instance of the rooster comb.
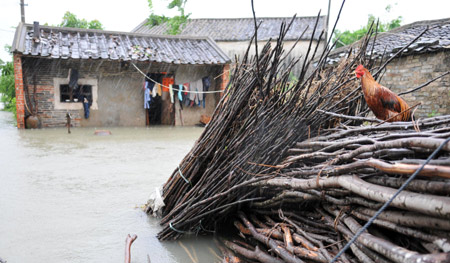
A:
(359, 68)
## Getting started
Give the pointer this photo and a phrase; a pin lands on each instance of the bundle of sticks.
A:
(260, 117)
(331, 185)
(292, 156)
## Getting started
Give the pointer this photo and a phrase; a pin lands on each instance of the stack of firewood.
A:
(263, 113)
(331, 185)
(293, 155)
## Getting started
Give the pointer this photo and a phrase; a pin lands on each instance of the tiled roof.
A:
(241, 29)
(75, 43)
(435, 39)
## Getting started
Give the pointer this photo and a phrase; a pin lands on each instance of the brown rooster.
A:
(384, 103)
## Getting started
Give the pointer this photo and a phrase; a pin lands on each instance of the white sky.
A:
(125, 15)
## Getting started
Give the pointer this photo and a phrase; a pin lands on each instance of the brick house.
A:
(104, 66)
(424, 60)
(233, 35)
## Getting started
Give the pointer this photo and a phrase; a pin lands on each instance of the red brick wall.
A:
(225, 77)
(20, 98)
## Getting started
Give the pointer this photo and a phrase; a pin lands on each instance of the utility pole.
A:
(22, 11)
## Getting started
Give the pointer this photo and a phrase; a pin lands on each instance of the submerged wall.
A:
(117, 88)
(187, 73)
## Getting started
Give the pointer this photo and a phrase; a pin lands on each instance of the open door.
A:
(153, 109)
(159, 109)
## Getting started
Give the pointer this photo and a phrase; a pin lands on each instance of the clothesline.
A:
(189, 91)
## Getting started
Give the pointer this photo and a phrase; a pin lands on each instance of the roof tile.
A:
(241, 29)
(436, 38)
(93, 44)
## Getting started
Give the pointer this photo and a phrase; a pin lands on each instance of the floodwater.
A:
(75, 197)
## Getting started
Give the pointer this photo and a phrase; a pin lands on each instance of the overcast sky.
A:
(125, 15)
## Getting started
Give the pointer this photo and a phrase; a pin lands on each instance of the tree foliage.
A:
(174, 24)
(71, 20)
(347, 37)
(7, 90)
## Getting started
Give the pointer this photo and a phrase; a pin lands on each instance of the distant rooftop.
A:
(437, 38)
(75, 43)
(241, 29)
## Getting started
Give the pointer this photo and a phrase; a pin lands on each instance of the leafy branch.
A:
(71, 20)
(7, 90)
(347, 37)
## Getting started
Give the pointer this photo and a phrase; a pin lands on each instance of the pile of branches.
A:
(291, 154)
(262, 114)
(331, 185)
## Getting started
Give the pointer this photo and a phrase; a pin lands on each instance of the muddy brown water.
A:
(75, 197)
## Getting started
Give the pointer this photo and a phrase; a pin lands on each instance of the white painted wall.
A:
(233, 49)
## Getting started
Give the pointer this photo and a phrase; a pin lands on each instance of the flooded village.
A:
(253, 139)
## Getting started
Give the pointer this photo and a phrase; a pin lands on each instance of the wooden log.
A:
(288, 242)
(409, 219)
(417, 185)
(227, 254)
(390, 250)
(256, 254)
(401, 168)
(279, 250)
(427, 204)
(442, 243)
(427, 143)
(128, 242)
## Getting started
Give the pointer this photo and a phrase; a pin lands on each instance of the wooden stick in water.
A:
(128, 241)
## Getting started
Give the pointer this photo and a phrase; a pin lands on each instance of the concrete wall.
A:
(239, 48)
(411, 71)
(120, 96)
(187, 73)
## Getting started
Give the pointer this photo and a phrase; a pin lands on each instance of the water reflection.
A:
(74, 197)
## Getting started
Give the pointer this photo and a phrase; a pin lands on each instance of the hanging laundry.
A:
(187, 88)
(86, 105)
(192, 89)
(159, 91)
(200, 90)
(180, 92)
(197, 88)
(154, 91)
(206, 84)
(166, 82)
(147, 98)
(150, 85)
(171, 93)
(201, 96)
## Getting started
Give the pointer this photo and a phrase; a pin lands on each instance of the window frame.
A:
(57, 82)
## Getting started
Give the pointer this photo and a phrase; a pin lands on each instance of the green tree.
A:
(175, 23)
(71, 20)
(7, 90)
(347, 37)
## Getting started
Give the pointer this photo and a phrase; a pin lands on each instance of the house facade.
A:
(424, 60)
(58, 70)
(233, 35)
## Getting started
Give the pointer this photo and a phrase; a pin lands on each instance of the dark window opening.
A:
(77, 94)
